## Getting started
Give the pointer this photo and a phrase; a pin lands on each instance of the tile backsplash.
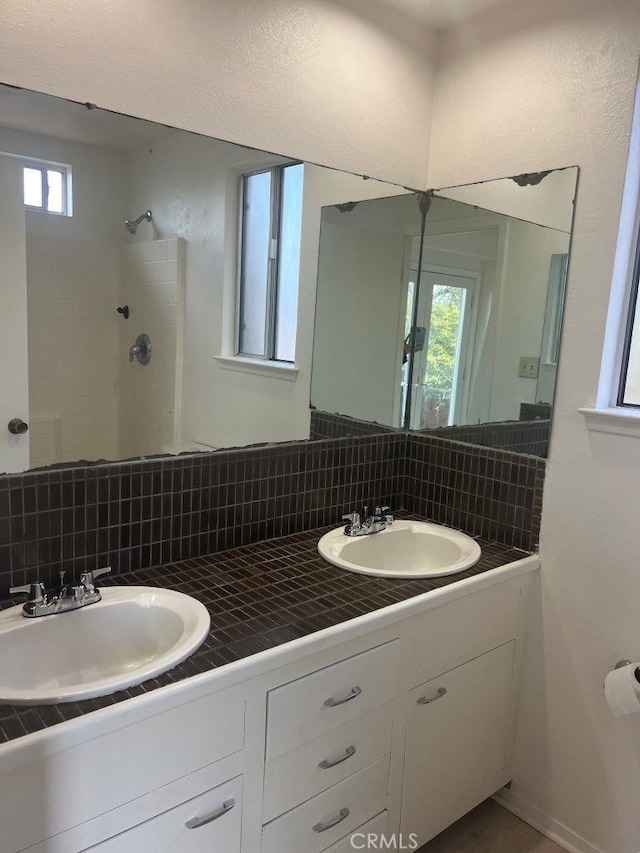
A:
(136, 515)
(486, 492)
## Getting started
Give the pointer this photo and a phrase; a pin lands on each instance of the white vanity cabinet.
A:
(328, 751)
(394, 723)
(457, 742)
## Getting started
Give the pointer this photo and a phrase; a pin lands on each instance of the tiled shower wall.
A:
(152, 285)
(73, 349)
(141, 514)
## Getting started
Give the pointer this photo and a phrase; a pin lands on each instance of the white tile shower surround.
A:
(73, 343)
(86, 400)
(151, 277)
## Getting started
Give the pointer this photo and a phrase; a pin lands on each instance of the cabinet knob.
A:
(17, 426)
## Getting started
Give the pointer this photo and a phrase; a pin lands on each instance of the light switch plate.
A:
(529, 367)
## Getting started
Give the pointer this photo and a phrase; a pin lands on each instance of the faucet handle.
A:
(87, 578)
(353, 517)
(380, 510)
(35, 592)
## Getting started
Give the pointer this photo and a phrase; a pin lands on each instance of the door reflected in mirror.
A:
(479, 313)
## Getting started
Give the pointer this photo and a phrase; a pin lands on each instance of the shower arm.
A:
(132, 226)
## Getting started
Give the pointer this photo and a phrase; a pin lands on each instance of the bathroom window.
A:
(47, 187)
(629, 389)
(270, 263)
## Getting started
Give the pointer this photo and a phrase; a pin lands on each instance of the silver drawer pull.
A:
(326, 763)
(197, 822)
(331, 702)
(424, 701)
(333, 821)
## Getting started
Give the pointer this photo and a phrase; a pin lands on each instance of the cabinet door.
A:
(456, 742)
(215, 826)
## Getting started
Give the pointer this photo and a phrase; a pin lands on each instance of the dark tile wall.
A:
(533, 411)
(330, 425)
(520, 436)
(136, 515)
(491, 493)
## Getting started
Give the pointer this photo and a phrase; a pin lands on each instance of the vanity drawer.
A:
(332, 815)
(489, 618)
(298, 775)
(375, 827)
(72, 786)
(219, 810)
(304, 709)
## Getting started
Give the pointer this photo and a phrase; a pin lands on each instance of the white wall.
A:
(523, 298)
(343, 83)
(532, 86)
(358, 332)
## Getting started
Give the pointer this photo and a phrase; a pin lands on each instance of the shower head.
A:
(132, 224)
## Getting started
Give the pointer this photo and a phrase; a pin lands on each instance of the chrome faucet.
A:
(380, 520)
(69, 597)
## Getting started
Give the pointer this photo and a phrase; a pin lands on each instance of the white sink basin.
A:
(406, 549)
(134, 633)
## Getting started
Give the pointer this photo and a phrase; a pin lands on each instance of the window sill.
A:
(273, 369)
(614, 420)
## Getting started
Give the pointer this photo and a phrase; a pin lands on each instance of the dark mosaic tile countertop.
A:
(259, 596)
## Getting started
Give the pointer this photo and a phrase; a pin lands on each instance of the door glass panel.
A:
(442, 334)
(443, 356)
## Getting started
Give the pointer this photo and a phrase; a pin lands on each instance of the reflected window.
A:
(47, 187)
(270, 262)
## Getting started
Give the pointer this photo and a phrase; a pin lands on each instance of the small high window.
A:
(270, 263)
(47, 187)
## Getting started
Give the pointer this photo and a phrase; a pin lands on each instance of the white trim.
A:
(547, 825)
(622, 275)
(260, 366)
(614, 420)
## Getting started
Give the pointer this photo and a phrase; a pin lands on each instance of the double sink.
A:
(135, 633)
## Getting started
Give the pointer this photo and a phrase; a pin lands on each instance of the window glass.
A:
(55, 196)
(33, 187)
(254, 288)
(289, 263)
(630, 389)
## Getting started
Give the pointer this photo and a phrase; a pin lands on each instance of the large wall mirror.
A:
(164, 292)
(126, 333)
(441, 311)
